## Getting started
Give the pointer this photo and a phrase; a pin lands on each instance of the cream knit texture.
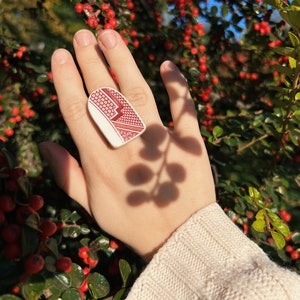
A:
(209, 257)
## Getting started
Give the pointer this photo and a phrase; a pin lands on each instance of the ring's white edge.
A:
(105, 127)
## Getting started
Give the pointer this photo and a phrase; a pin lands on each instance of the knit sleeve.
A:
(209, 257)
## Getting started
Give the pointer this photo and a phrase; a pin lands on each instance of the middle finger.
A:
(91, 61)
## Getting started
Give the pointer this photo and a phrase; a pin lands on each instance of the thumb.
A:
(67, 173)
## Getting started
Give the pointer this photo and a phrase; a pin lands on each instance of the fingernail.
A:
(83, 38)
(169, 66)
(108, 38)
(60, 56)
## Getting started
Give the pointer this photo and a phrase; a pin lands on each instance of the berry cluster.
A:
(20, 220)
(37, 243)
(97, 17)
(291, 249)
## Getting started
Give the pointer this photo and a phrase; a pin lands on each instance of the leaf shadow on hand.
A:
(165, 176)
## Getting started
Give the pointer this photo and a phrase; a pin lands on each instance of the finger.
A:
(73, 101)
(181, 103)
(131, 82)
(67, 172)
(92, 64)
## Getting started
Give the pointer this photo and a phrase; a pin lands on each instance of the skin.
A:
(139, 193)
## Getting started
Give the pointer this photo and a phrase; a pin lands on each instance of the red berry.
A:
(79, 8)
(168, 45)
(289, 248)
(11, 233)
(83, 252)
(92, 22)
(12, 185)
(15, 290)
(110, 14)
(105, 6)
(34, 263)
(7, 203)
(194, 51)
(87, 7)
(215, 80)
(64, 264)
(12, 251)
(48, 228)
(113, 244)
(295, 255)
(285, 215)
(92, 262)
(86, 271)
(36, 202)
(9, 131)
(17, 172)
(113, 22)
(84, 286)
(202, 48)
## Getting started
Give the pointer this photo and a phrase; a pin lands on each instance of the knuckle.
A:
(138, 96)
(74, 110)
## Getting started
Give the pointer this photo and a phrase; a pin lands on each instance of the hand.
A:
(139, 193)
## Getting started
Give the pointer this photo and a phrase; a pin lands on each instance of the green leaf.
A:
(214, 10)
(254, 193)
(71, 231)
(296, 112)
(217, 131)
(84, 229)
(284, 70)
(38, 69)
(29, 240)
(278, 239)
(64, 279)
(125, 271)
(65, 215)
(284, 51)
(294, 39)
(34, 287)
(274, 217)
(42, 78)
(76, 275)
(283, 229)
(101, 242)
(296, 237)
(297, 96)
(259, 225)
(71, 294)
(260, 215)
(51, 244)
(120, 294)
(292, 62)
(224, 10)
(74, 217)
(98, 285)
(50, 263)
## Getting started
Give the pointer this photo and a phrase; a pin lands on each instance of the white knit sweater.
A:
(209, 257)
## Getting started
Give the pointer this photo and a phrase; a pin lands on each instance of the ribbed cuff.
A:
(208, 257)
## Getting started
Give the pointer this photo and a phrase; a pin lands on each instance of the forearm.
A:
(208, 257)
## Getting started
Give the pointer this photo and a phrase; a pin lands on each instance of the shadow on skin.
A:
(165, 178)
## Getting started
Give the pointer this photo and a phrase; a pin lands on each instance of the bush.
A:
(241, 60)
